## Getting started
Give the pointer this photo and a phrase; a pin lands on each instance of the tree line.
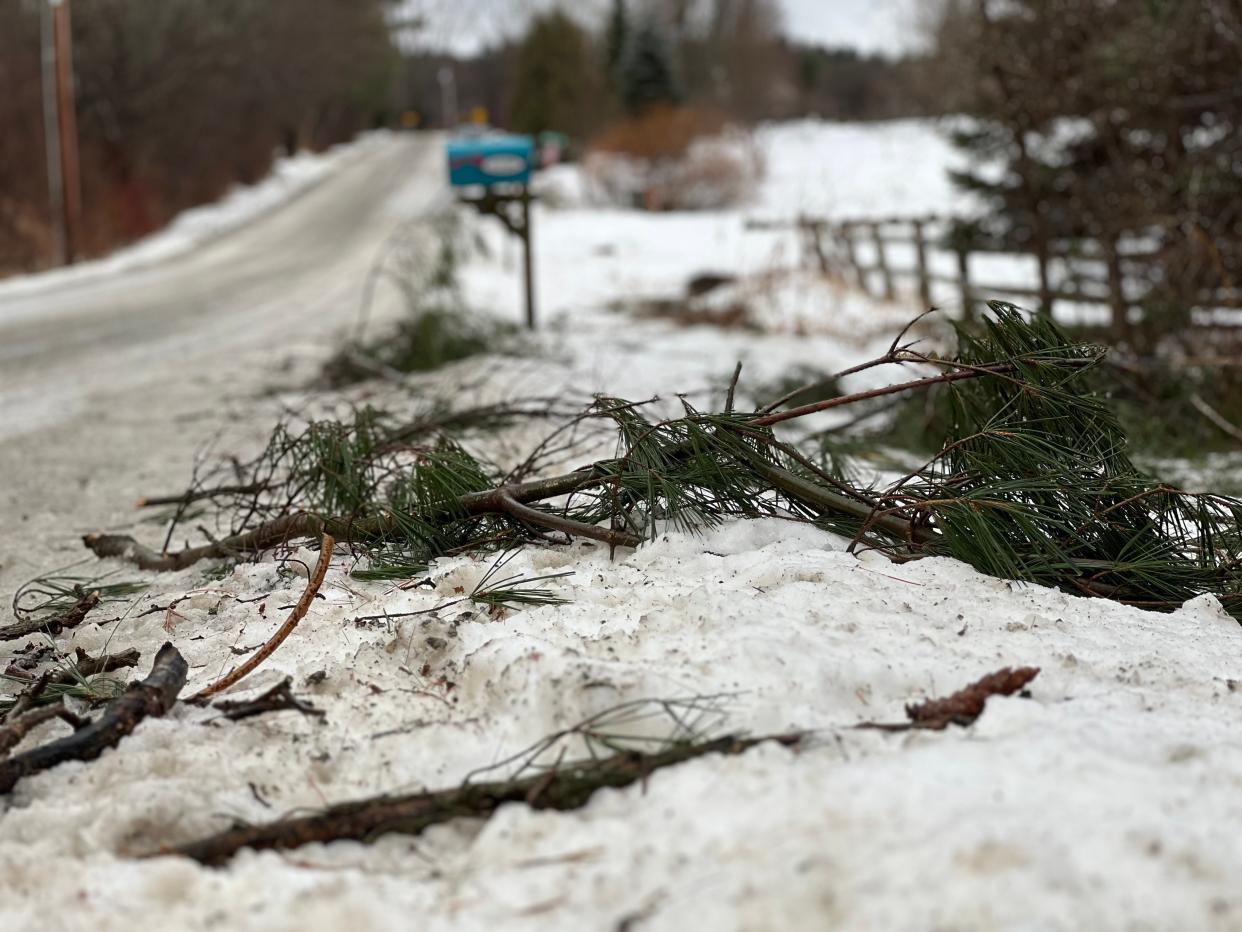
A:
(179, 100)
(727, 56)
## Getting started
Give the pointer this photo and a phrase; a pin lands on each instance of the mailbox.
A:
(490, 160)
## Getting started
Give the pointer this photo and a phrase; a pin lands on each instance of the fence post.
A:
(1045, 288)
(920, 252)
(886, 274)
(812, 243)
(1116, 283)
(963, 272)
(846, 231)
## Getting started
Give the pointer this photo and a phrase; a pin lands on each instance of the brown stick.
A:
(12, 733)
(566, 787)
(553, 522)
(235, 675)
(70, 618)
(962, 707)
(154, 696)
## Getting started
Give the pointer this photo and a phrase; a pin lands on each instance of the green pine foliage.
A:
(1033, 481)
(648, 76)
(615, 40)
(555, 85)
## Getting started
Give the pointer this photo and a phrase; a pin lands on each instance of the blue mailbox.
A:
(489, 160)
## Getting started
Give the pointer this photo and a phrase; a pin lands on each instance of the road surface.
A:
(107, 386)
(294, 269)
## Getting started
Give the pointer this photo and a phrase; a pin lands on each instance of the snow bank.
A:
(1103, 801)
(192, 228)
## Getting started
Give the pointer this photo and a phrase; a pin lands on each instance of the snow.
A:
(1107, 799)
(193, 228)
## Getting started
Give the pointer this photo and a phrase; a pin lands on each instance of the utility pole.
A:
(448, 95)
(60, 128)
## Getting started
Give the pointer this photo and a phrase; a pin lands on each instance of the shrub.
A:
(673, 159)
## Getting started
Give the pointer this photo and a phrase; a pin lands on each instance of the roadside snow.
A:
(290, 176)
(1104, 801)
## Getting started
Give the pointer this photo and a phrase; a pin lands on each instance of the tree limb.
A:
(70, 618)
(154, 696)
(565, 787)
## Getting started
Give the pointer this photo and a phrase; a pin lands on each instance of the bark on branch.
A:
(70, 618)
(154, 696)
(566, 787)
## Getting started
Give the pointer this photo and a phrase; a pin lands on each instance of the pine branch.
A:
(565, 787)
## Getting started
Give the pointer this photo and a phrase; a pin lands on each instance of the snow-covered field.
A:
(1105, 800)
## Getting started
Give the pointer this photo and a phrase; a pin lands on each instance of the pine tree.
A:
(648, 78)
(615, 40)
(553, 90)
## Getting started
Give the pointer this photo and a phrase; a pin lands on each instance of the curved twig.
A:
(235, 675)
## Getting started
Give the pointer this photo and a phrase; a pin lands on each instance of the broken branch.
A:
(154, 696)
(70, 618)
(566, 787)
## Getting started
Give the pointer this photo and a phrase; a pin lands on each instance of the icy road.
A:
(129, 338)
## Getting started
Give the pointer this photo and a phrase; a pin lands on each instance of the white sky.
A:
(870, 25)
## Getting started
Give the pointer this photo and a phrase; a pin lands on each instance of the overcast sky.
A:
(870, 25)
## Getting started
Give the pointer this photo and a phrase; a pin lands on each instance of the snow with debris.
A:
(1104, 800)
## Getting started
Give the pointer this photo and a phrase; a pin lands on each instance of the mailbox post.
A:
(492, 174)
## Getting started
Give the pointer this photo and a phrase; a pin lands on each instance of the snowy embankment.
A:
(194, 228)
(1104, 800)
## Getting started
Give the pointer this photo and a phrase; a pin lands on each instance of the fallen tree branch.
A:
(13, 732)
(962, 707)
(235, 675)
(154, 696)
(83, 666)
(69, 618)
(279, 698)
(566, 787)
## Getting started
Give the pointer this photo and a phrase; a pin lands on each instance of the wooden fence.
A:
(1113, 275)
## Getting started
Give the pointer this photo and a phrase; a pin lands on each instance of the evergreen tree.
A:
(1097, 119)
(648, 78)
(615, 40)
(553, 89)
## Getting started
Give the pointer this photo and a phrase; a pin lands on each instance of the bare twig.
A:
(573, 528)
(964, 706)
(279, 698)
(12, 733)
(1215, 417)
(235, 675)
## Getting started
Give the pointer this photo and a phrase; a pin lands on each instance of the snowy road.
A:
(99, 377)
(297, 269)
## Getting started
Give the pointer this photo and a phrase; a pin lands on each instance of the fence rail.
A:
(1092, 272)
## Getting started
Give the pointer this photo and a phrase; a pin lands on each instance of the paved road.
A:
(296, 269)
(108, 387)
